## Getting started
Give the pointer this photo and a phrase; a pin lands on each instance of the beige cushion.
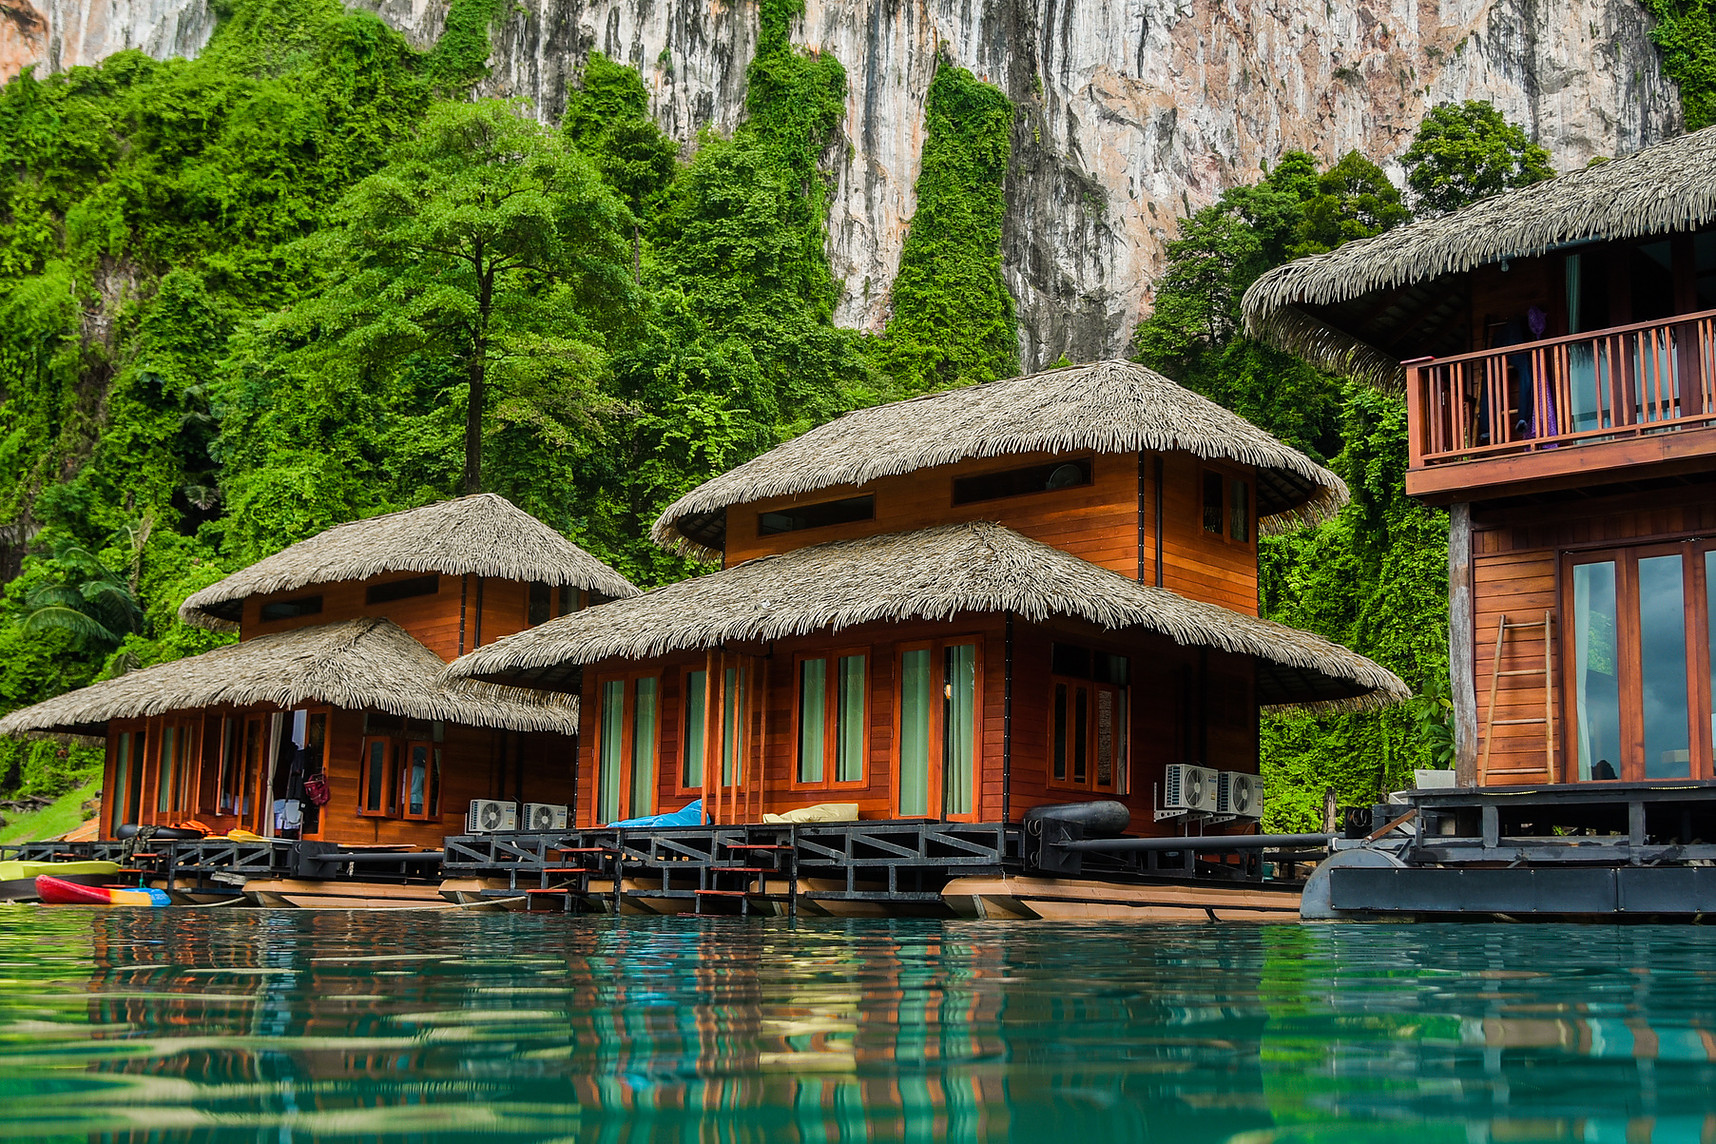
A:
(821, 812)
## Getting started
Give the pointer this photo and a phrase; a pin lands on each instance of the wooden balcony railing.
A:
(1605, 385)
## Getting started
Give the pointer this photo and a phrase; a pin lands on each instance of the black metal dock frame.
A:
(202, 860)
(728, 869)
(1598, 849)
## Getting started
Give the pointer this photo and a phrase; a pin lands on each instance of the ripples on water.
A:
(131, 1025)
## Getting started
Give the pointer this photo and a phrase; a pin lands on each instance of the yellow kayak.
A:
(18, 879)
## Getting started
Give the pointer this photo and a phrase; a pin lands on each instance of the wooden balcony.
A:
(1564, 412)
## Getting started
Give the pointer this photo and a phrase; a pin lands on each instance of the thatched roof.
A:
(1670, 186)
(1108, 407)
(367, 664)
(931, 574)
(483, 535)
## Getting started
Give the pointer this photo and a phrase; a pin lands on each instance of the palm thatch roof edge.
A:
(933, 574)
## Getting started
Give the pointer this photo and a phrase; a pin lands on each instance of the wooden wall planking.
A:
(433, 620)
(1163, 697)
(1100, 522)
(1518, 553)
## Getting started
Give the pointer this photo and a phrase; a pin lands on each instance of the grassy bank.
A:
(63, 814)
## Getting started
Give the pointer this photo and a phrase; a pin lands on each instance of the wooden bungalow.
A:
(958, 607)
(1557, 349)
(342, 639)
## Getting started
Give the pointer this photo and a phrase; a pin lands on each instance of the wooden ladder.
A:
(1548, 675)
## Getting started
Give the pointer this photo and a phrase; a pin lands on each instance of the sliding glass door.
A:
(1637, 648)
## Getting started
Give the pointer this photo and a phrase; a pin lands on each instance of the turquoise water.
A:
(130, 1025)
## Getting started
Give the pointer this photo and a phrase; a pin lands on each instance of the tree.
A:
(1464, 152)
(1353, 199)
(95, 603)
(489, 244)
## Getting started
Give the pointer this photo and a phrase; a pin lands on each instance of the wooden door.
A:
(1636, 643)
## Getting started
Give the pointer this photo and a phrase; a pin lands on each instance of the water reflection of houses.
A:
(1557, 349)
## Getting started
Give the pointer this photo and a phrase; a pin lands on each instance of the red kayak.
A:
(59, 892)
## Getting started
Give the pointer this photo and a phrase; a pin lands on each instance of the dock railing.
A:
(1604, 385)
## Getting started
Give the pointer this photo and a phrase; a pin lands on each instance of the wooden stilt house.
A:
(1557, 349)
(958, 607)
(342, 639)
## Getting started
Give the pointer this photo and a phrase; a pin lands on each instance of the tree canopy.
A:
(1464, 152)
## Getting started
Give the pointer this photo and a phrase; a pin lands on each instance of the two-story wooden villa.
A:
(958, 607)
(342, 639)
(1557, 349)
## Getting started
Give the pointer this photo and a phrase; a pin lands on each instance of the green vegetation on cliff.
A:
(305, 277)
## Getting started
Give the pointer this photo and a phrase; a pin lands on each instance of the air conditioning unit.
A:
(1239, 794)
(1187, 787)
(544, 816)
(489, 815)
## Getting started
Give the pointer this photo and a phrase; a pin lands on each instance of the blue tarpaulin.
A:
(689, 815)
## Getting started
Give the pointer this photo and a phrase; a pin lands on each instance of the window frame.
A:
(1230, 476)
(1628, 655)
(1086, 460)
(1120, 787)
(831, 719)
(389, 782)
(431, 811)
(628, 731)
(682, 721)
(936, 799)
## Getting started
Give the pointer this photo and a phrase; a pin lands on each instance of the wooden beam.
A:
(1573, 465)
(1462, 684)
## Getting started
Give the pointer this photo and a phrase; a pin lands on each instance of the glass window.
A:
(853, 719)
(372, 783)
(1238, 510)
(255, 741)
(812, 718)
(1704, 268)
(915, 684)
(1080, 734)
(1020, 482)
(1596, 673)
(612, 757)
(292, 609)
(401, 589)
(121, 780)
(959, 724)
(570, 600)
(1662, 662)
(832, 718)
(1212, 502)
(798, 517)
(643, 748)
(626, 747)
(421, 780)
(1088, 724)
(1107, 736)
(169, 769)
(732, 728)
(938, 730)
(1710, 624)
(226, 794)
(1058, 739)
(696, 729)
(537, 605)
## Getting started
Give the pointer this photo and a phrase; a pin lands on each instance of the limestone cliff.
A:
(1131, 111)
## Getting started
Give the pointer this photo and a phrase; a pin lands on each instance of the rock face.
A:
(1131, 112)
